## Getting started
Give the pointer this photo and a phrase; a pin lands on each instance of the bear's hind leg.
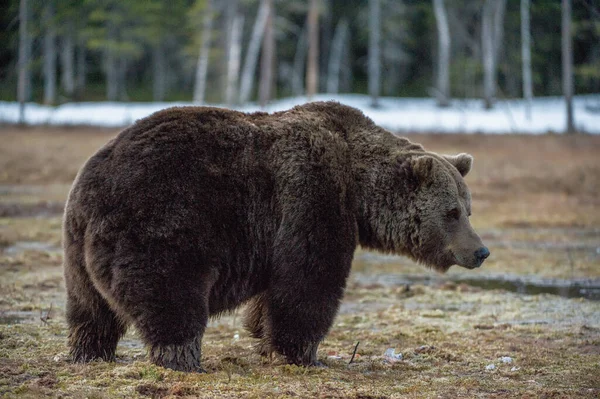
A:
(94, 328)
(256, 322)
(165, 293)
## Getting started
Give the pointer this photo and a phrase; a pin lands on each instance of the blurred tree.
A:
(335, 57)
(267, 58)
(49, 53)
(312, 69)
(299, 62)
(491, 39)
(202, 64)
(567, 63)
(252, 52)
(443, 66)
(526, 57)
(24, 59)
(67, 58)
(374, 51)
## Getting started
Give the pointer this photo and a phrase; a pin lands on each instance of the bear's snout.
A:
(481, 254)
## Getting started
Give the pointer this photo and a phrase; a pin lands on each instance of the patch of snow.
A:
(506, 359)
(490, 367)
(515, 369)
(548, 114)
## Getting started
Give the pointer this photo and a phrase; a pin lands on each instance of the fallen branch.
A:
(354, 353)
(47, 317)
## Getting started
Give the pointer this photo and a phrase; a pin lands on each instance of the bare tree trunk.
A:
(491, 38)
(443, 70)
(202, 65)
(112, 83)
(299, 62)
(24, 57)
(312, 66)
(346, 76)
(526, 57)
(122, 77)
(49, 54)
(68, 61)
(252, 53)
(231, 7)
(335, 57)
(81, 70)
(325, 42)
(487, 46)
(158, 70)
(266, 62)
(567, 63)
(235, 54)
(374, 51)
(499, 10)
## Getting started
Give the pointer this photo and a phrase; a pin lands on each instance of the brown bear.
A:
(194, 211)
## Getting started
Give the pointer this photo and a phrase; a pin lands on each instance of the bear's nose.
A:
(481, 254)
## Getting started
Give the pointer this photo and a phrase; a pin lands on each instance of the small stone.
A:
(236, 336)
(391, 355)
(490, 367)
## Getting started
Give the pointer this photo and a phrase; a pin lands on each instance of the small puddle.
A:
(22, 246)
(584, 288)
(16, 317)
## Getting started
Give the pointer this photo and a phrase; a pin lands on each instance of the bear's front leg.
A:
(307, 286)
(183, 357)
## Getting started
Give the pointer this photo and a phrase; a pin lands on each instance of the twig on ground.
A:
(354, 353)
(45, 318)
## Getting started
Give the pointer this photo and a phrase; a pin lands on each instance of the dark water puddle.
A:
(581, 288)
(22, 246)
(40, 209)
(16, 317)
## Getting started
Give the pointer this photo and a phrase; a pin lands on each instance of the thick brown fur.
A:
(194, 211)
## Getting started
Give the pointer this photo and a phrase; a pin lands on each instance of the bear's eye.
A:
(454, 214)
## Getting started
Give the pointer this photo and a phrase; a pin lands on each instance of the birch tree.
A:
(299, 63)
(231, 12)
(491, 41)
(526, 57)
(312, 65)
(252, 52)
(80, 78)
(443, 67)
(266, 62)
(202, 64)
(335, 57)
(235, 52)
(567, 63)
(374, 51)
(158, 72)
(24, 58)
(67, 57)
(49, 53)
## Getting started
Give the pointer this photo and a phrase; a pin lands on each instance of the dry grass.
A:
(536, 202)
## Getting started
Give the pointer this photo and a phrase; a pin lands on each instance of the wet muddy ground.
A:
(526, 324)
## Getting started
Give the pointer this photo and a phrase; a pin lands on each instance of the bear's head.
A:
(440, 213)
(426, 215)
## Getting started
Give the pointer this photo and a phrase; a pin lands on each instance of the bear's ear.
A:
(462, 162)
(422, 166)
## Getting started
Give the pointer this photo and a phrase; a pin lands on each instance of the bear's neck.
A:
(375, 156)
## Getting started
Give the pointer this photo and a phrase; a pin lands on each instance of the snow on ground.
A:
(396, 114)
